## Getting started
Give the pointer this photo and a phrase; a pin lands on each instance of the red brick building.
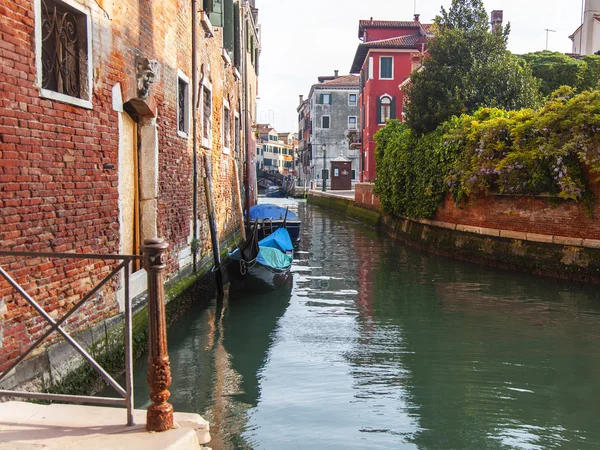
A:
(96, 147)
(389, 52)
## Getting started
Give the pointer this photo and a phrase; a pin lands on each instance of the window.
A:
(63, 52)
(236, 124)
(183, 105)
(336, 172)
(325, 99)
(351, 99)
(226, 127)
(325, 122)
(386, 68)
(370, 68)
(353, 174)
(352, 122)
(385, 109)
(206, 116)
(215, 8)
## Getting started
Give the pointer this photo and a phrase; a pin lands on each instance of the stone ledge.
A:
(544, 238)
(70, 427)
(564, 240)
(513, 234)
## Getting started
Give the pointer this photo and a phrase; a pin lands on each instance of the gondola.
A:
(261, 265)
(272, 217)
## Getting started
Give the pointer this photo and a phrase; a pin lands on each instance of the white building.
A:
(586, 39)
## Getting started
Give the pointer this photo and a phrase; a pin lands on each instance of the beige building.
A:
(586, 39)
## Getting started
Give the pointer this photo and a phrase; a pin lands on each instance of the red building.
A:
(389, 52)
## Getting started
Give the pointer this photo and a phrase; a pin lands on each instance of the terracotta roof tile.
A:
(345, 80)
(389, 24)
(409, 41)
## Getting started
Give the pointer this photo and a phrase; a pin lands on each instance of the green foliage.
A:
(530, 153)
(468, 67)
(410, 169)
(523, 152)
(554, 69)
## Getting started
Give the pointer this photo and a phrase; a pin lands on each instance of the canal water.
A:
(374, 345)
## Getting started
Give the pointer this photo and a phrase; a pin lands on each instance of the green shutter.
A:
(237, 44)
(216, 16)
(320, 99)
(378, 110)
(330, 99)
(228, 26)
(393, 108)
(208, 6)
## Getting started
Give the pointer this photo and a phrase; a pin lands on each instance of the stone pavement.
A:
(29, 426)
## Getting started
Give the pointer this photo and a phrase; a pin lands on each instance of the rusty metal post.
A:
(159, 416)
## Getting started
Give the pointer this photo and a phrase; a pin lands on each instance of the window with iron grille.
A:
(183, 106)
(236, 124)
(63, 51)
(226, 129)
(206, 117)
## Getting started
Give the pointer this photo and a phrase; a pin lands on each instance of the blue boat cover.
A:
(272, 250)
(272, 257)
(270, 211)
(279, 239)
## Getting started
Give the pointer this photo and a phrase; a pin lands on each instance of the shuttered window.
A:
(386, 68)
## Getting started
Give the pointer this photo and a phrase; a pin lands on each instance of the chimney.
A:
(336, 73)
(416, 19)
(496, 20)
(301, 98)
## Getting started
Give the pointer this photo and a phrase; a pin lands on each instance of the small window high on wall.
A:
(386, 68)
(183, 105)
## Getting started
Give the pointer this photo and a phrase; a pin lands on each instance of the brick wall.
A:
(539, 215)
(59, 163)
(364, 196)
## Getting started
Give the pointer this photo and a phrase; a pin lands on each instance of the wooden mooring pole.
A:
(159, 416)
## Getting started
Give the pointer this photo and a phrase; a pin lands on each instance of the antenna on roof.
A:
(548, 31)
(415, 11)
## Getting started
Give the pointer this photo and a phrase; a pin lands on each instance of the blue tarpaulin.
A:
(269, 211)
(279, 239)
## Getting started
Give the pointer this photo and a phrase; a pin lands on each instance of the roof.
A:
(409, 41)
(264, 127)
(344, 80)
(385, 24)
(427, 28)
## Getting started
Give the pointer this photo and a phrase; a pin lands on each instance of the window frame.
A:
(226, 127)
(350, 103)
(388, 107)
(182, 77)
(328, 122)
(355, 123)
(83, 102)
(207, 141)
(381, 58)
(328, 102)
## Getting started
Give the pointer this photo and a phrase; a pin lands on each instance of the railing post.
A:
(159, 416)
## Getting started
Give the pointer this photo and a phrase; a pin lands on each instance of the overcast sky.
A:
(304, 39)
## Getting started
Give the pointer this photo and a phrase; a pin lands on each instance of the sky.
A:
(302, 40)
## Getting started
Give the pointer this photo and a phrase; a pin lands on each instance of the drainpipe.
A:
(246, 119)
(195, 134)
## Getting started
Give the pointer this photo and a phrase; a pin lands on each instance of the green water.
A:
(376, 345)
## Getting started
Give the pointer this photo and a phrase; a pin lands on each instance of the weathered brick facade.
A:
(533, 215)
(64, 167)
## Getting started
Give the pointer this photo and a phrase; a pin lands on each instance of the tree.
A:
(554, 70)
(468, 67)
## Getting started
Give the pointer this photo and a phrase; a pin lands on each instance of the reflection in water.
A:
(376, 345)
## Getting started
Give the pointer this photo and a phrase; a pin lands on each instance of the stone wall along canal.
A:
(375, 345)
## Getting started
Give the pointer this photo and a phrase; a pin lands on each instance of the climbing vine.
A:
(523, 152)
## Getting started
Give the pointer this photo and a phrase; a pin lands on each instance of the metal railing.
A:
(56, 325)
